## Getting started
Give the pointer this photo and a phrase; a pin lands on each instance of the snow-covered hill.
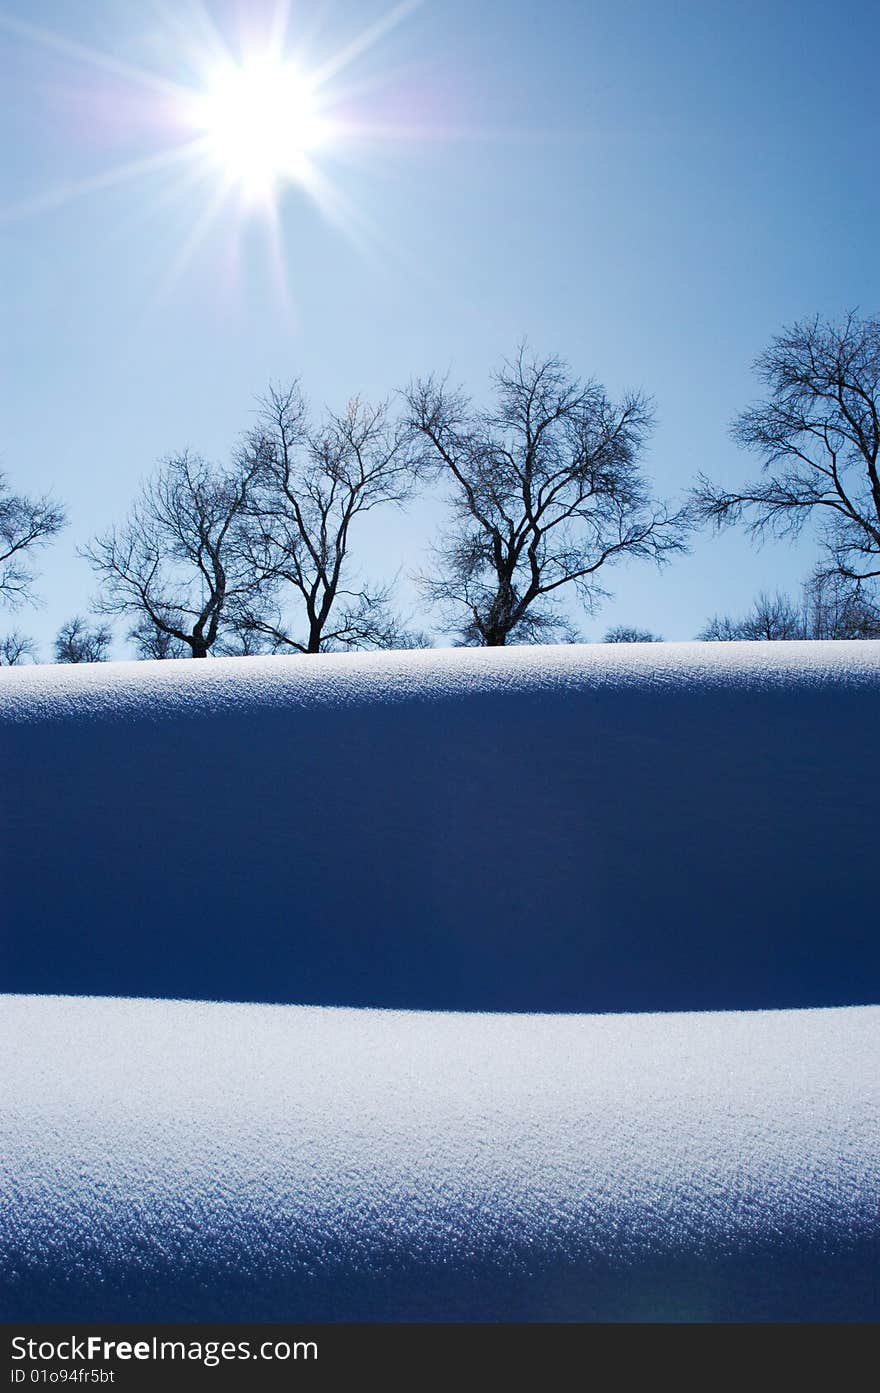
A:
(170, 1160)
(615, 827)
(681, 833)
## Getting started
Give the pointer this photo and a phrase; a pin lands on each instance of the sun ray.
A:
(279, 26)
(193, 180)
(93, 57)
(197, 34)
(340, 212)
(197, 234)
(278, 264)
(107, 179)
(365, 40)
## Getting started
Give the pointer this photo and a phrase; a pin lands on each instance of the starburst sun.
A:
(228, 125)
(261, 121)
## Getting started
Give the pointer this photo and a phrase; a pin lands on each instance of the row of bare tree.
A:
(544, 490)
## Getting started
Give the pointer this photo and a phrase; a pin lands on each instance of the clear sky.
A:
(649, 188)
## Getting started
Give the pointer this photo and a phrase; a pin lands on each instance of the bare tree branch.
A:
(310, 487)
(26, 524)
(151, 642)
(544, 491)
(818, 437)
(177, 565)
(624, 633)
(832, 607)
(78, 642)
(15, 647)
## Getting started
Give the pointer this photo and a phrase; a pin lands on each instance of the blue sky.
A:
(650, 189)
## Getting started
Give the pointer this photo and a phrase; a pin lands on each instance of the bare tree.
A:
(151, 642)
(240, 639)
(622, 633)
(545, 491)
(26, 524)
(774, 617)
(722, 628)
(177, 565)
(234, 641)
(310, 487)
(78, 642)
(15, 647)
(832, 608)
(771, 617)
(837, 607)
(818, 435)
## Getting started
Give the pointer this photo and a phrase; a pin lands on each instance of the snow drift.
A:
(683, 833)
(596, 828)
(170, 1160)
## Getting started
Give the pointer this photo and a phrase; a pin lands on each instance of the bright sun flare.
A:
(260, 123)
(249, 117)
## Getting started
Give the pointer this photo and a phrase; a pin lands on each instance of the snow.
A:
(535, 984)
(135, 689)
(594, 828)
(178, 1160)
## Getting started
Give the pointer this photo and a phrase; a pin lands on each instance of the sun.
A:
(260, 122)
(231, 121)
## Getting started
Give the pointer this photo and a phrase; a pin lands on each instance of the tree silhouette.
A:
(177, 565)
(817, 433)
(78, 642)
(26, 524)
(545, 491)
(309, 490)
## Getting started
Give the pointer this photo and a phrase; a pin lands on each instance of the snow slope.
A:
(174, 1160)
(596, 828)
(685, 833)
